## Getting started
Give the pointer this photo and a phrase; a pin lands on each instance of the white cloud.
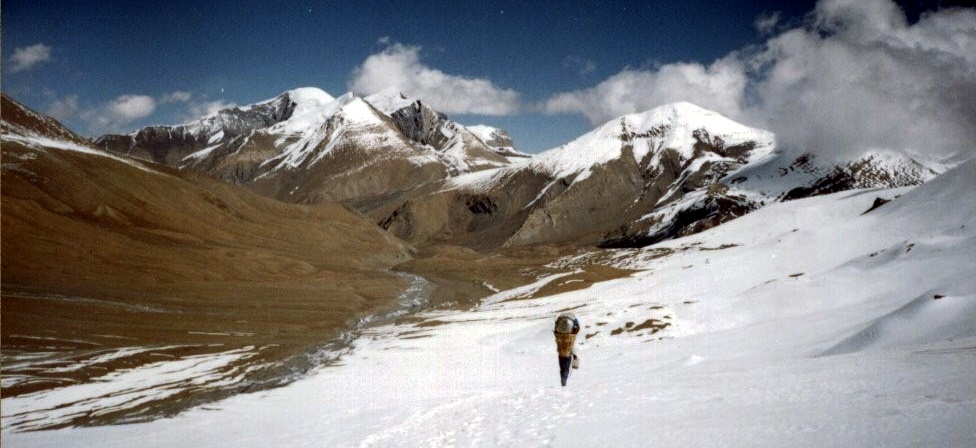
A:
(25, 58)
(856, 77)
(127, 108)
(123, 110)
(766, 22)
(178, 96)
(719, 86)
(399, 66)
(204, 108)
(63, 109)
(859, 78)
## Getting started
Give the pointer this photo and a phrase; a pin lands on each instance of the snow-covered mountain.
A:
(641, 178)
(171, 144)
(456, 145)
(305, 146)
(498, 140)
(671, 171)
(590, 189)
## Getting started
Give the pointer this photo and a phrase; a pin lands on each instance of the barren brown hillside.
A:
(101, 252)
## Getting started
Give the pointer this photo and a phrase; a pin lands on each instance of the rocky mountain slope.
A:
(305, 146)
(641, 178)
(590, 188)
(103, 251)
(671, 171)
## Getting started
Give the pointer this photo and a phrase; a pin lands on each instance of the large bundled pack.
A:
(566, 323)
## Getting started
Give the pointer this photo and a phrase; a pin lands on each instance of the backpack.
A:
(567, 324)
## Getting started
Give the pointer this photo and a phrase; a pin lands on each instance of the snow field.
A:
(803, 324)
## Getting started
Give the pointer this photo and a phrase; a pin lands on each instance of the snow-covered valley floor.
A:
(806, 323)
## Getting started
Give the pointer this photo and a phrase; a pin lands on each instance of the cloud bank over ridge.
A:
(399, 65)
(856, 76)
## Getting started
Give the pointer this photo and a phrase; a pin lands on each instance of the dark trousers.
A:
(564, 365)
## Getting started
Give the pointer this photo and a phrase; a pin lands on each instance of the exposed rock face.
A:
(635, 180)
(169, 145)
(460, 150)
(870, 171)
(591, 191)
(306, 146)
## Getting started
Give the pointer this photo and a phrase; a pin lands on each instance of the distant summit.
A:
(640, 178)
(302, 145)
(591, 189)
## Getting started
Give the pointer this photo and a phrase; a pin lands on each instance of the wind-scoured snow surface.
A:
(805, 324)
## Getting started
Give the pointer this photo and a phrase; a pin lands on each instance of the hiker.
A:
(567, 326)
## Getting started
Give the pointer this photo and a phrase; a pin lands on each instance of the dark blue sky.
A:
(221, 52)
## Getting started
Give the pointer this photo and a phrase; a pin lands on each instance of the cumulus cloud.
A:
(63, 109)
(119, 112)
(860, 78)
(25, 58)
(855, 77)
(194, 107)
(204, 108)
(719, 87)
(127, 108)
(766, 22)
(399, 66)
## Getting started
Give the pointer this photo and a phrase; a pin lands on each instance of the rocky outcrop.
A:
(170, 145)
(305, 146)
(598, 189)
(460, 150)
(635, 180)
(870, 171)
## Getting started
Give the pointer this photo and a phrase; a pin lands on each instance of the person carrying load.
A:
(567, 327)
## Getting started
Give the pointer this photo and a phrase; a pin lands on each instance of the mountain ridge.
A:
(395, 159)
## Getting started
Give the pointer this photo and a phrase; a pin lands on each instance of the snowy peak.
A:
(689, 124)
(301, 115)
(597, 189)
(309, 96)
(492, 136)
(310, 113)
(389, 100)
(684, 129)
(498, 140)
(788, 176)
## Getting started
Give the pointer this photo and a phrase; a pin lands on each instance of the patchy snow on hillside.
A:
(41, 144)
(807, 323)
